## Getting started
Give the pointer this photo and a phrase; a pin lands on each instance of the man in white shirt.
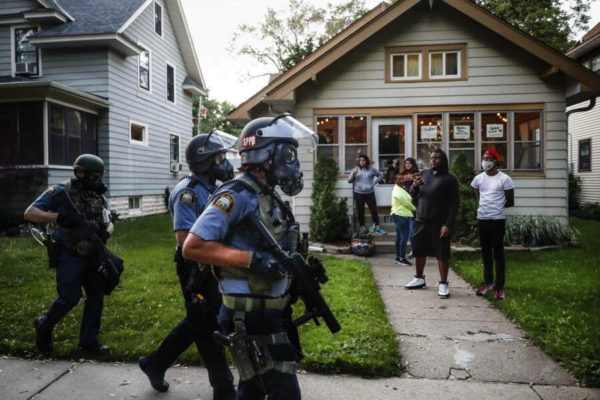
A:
(495, 192)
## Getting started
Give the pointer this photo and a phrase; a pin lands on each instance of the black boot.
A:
(156, 376)
(224, 393)
(43, 337)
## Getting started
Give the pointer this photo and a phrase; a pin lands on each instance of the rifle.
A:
(308, 277)
(108, 264)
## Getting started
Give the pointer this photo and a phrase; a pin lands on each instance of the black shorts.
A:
(426, 241)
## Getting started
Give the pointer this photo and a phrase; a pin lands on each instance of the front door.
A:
(391, 145)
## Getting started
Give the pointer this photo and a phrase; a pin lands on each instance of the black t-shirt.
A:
(437, 200)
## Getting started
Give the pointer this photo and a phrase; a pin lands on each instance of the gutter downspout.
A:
(590, 106)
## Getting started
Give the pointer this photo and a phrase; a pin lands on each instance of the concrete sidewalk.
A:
(455, 349)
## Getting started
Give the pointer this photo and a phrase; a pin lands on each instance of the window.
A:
(444, 64)
(174, 148)
(144, 70)
(134, 202)
(391, 150)
(170, 83)
(427, 62)
(406, 66)
(158, 19)
(585, 155)
(26, 54)
(494, 135)
(461, 132)
(138, 133)
(429, 137)
(343, 138)
(527, 141)
(72, 132)
(21, 133)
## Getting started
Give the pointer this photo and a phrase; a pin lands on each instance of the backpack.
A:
(363, 245)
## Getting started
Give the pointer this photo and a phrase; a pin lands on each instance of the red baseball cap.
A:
(492, 153)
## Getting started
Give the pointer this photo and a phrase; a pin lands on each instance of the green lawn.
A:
(148, 304)
(555, 297)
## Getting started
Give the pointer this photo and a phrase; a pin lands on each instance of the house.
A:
(109, 77)
(584, 123)
(420, 74)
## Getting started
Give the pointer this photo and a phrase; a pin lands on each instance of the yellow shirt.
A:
(402, 202)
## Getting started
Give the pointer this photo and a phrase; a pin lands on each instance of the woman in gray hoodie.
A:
(364, 178)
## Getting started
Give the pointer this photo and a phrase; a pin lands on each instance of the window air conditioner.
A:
(176, 167)
(25, 68)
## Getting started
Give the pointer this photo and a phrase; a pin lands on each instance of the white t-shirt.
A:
(491, 194)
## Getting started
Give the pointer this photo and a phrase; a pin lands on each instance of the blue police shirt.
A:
(188, 200)
(219, 222)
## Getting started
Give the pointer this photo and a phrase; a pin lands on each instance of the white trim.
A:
(172, 65)
(139, 86)
(87, 39)
(162, 18)
(43, 15)
(134, 16)
(63, 167)
(70, 105)
(444, 75)
(145, 133)
(178, 146)
(192, 89)
(13, 21)
(406, 77)
(13, 60)
(46, 133)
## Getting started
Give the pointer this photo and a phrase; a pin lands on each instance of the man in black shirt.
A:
(437, 195)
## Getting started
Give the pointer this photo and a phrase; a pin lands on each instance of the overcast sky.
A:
(213, 22)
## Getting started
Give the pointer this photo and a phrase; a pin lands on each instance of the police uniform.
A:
(257, 303)
(200, 293)
(72, 269)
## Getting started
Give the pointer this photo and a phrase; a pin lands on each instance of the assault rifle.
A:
(109, 265)
(308, 278)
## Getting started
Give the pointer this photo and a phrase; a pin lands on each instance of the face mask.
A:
(222, 171)
(487, 165)
(285, 169)
(94, 184)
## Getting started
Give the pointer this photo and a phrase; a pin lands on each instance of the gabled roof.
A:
(283, 86)
(589, 42)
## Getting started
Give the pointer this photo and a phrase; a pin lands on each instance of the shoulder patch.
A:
(224, 202)
(51, 190)
(188, 197)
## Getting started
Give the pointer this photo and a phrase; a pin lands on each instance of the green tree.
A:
(286, 36)
(465, 227)
(216, 111)
(328, 214)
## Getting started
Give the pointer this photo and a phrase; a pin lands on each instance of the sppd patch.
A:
(224, 202)
(188, 197)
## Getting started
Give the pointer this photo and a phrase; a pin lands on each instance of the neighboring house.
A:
(410, 77)
(584, 123)
(109, 77)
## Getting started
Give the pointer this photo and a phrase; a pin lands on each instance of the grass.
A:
(554, 296)
(148, 304)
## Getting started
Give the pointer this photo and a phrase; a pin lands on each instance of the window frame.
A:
(342, 137)
(13, 50)
(84, 114)
(579, 143)
(171, 160)
(145, 133)
(445, 75)
(425, 51)
(162, 14)
(132, 200)
(512, 142)
(406, 77)
(169, 64)
(139, 68)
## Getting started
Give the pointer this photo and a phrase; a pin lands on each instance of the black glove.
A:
(67, 220)
(103, 234)
(264, 265)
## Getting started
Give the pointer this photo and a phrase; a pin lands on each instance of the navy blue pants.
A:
(402, 233)
(70, 275)
(197, 327)
(275, 384)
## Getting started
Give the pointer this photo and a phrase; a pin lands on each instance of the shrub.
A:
(537, 230)
(465, 227)
(328, 214)
(574, 190)
(589, 211)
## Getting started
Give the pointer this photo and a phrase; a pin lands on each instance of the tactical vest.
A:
(274, 222)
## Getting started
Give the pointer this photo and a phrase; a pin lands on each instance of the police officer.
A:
(253, 284)
(205, 155)
(70, 204)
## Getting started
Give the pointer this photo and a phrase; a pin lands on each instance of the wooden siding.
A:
(585, 126)
(83, 69)
(5, 68)
(59, 175)
(136, 169)
(16, 6)
(498, 72)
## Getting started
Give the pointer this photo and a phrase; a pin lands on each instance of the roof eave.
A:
(113, 40)
(41, 90)
(46, 16)
(584, 48)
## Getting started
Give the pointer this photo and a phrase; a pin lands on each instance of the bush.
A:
(328, 214)
(465, 227)
(574, 190)
(537, 230)
(589, 211)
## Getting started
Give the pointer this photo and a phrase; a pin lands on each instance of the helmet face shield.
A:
(218, 141)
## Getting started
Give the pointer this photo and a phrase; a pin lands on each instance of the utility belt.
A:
(251, 354)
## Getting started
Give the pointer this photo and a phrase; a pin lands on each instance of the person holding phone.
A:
(364, 178)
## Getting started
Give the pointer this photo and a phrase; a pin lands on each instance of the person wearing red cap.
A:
(495, 192)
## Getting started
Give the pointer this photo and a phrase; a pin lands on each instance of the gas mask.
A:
(94, 183)
(487, 165)
(285, 169)
(222, 171)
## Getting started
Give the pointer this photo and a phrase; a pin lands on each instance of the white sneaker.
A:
(416, 283)
(443, 290)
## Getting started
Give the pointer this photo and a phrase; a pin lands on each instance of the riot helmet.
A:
(92, 168)
(205, 154)
(275, 140)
